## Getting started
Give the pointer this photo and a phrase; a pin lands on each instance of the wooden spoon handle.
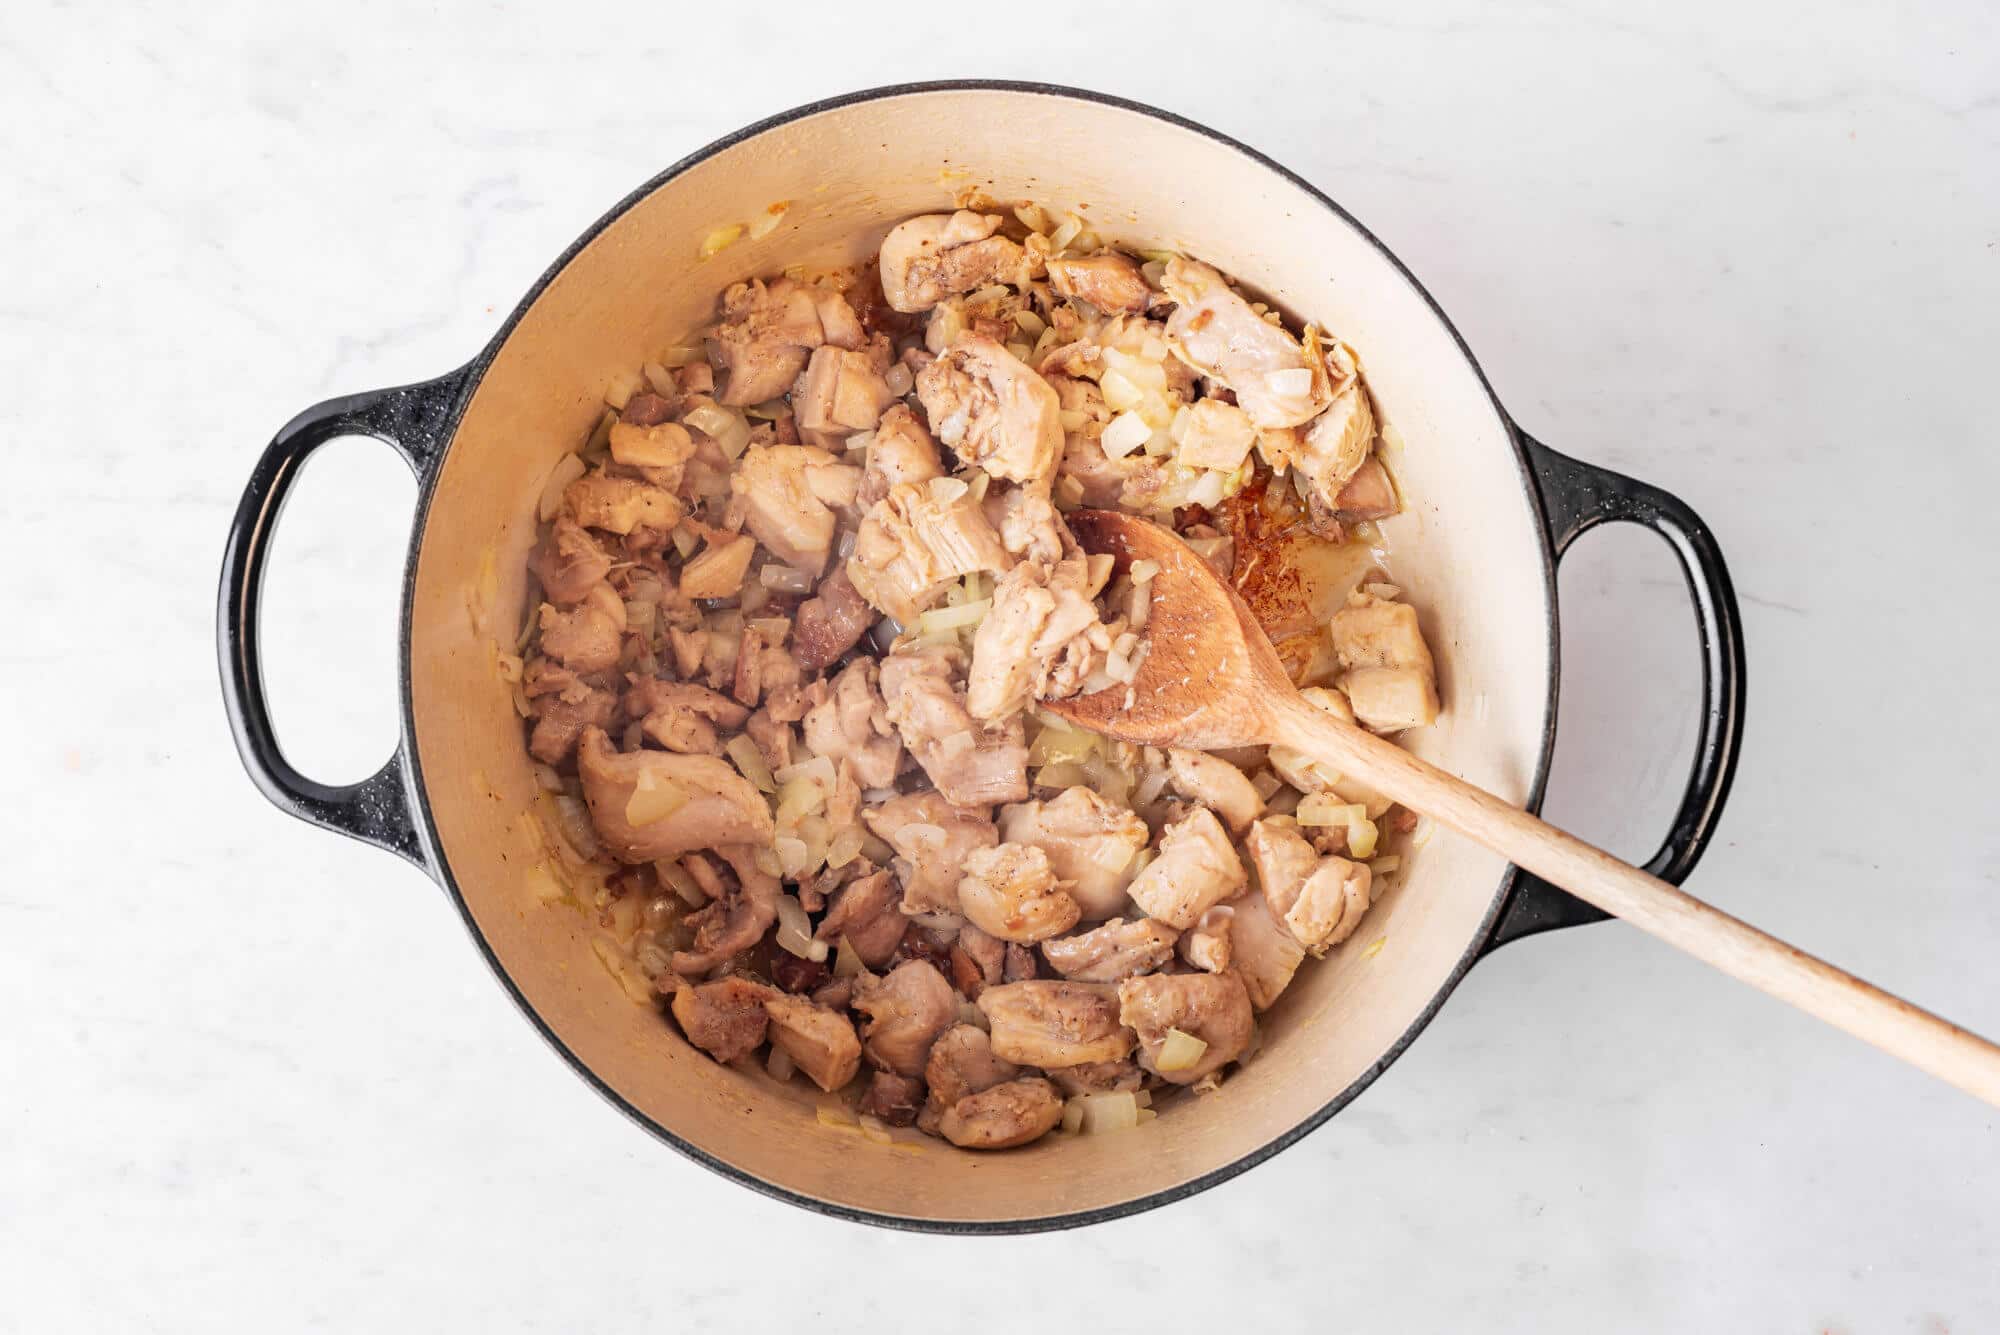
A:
(1895, 1026)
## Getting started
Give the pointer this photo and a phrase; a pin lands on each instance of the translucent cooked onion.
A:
(954, 618)
(794, 935)
(784, 579)
(819, 770)
(767, 222)
(1101, 1114)
(622, 387)
(1141, 571)
(719, 239)
(1120, 394)
(727, 427)
(779, 1063)
(682, 884)
(846, 960)
(845, 846)
(660, 380)
(875, 1129)
(1207, 489)
(683, 354)
(750, 763)
(1181, 1051)
(1127, 432)
(653, 801)
(1388, 593)
(573, 820)
(567, 470)
(899, 380)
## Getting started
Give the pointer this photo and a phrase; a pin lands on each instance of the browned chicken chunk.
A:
(1045, 1023)
(735, 922)
(821, 1042)
(724, 1018)
(972, 764)
(648, 805)
(961, 1062)
(831, 622)
(1197, 869)
(1003, 1116)
(994, 411)
(1042, 639)
(1116, 950)
(1212, 1007)
(933, 837)
(926, 259)
(589, 636)
(852, 724)
(569, 562)
(1107, 280)
(907, 1009)
(1090, 843)
(1010, 892)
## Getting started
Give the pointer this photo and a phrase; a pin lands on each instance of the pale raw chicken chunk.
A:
(1389, 677)
(1042, 639)
(1118, 949)
(1197, 868)
(1217, 785)
(852, 724)
(786, 492)
(994, 411)
(932, 837)
(1213, 1007)
(924, 260)
(1090, 842)
(1214, 330)
(916, 541)
(1040, 1022)
(1010, 892)
(907, 1009)
(971, 763)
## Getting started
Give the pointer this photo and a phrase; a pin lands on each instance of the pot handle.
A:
(1577, 497)
(413, 420)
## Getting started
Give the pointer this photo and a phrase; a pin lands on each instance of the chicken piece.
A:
(1283, 859)
(1197, 869)
(842, 393)
(647, 805)
(560, 721)
(1390, 679)
(961, 1062)
(1324, 910)
(865, 912)
(768, 330)
(970, 763)
(916, 541)
(1041, 640)
(1046, 1023)
(1010, 892)
(932, 837)
(1090, 843)
(992, 410)
(852, 724)
(1219, 435)
(1029, 525)
(1302, 772)
(724, 1018)
(732, 924)
(1213, 1007)
(1217, 785)
(1369, 494)
(784, 491)
(1107, 280)
(976, 960)
(774, 739)
(1118, 949)
(822, 1043)
(907, 1009)
(830, 623)
(892, 1099)
(647, 408)
(926, 259)
(621, 504)
(1104, 480)
(1019, 963)
(761, 667)
(589, 636)
(1331, 452)
(682, 716)
(1263, 953)
(903, 451)
(660, 452)
(569, 562)
(1205, 945)
(1121, 1077)
(1214, 330)
(1004, 1116)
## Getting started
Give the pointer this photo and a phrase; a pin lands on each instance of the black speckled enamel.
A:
(390, 809)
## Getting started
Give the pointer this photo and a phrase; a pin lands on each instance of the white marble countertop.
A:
(253, 1078)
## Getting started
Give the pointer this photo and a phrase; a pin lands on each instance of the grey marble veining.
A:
(253, 1078)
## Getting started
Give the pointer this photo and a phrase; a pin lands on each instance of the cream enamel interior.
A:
(1468, 549)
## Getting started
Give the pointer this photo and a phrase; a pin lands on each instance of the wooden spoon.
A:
(1210, 679)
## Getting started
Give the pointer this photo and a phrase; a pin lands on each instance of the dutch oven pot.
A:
(1490, 512)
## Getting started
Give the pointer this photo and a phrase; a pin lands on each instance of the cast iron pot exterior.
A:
(392, 809)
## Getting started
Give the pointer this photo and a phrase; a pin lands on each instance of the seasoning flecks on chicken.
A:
(1217, 785)
(647, 805)
(621, 505)
(1047, 1023)
(786, 492)
(830, 622)
(588, 637)
(1090, 842)
(961, 1062)
(1119, 1077)
(769, 329)
(1108, 280)
(916, 540)
(1388, 674)
(851, 723)
(822, 1043)
(1029, 526)
(866, 912)
(682, 716)
(907, 1009)
(902, 450)
(1214, 330)
(1042, 639)
(892, 1099)
(971, 763)
(926, 259)
(1329, 905)
(1118, 949)
(994, 411)
(726, 927)
(725, 1018)
(761, 666)
(1004, 1116)
(842, 393)
(1009, 891)
(932, 837)
(1213, 1007)
(1331, 453)
(569, 562)
(560, 721)
(976, 960)
(1197, 868)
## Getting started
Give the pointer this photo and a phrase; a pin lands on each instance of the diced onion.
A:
(726, 426)
(1072, 1116)
(1100, 1114)
(660, 380)
(945, 490)
(784, 579)
(683, 354)
(766, 222)
(1294, 383)
(875, 1129)
(621, 389)
(1120, 394)
(750, 762)
(1388, 593)
(899, 381)
(1144, 570)
(1383, 866)
(819, 770)
(845, 846)
(720, 239)
(1326, 809)
(1182, 1051)
(954, 618)
(794, 934)
(652, 802)
(846, 960)
(1207, 490)
(1126, 433)
(682, 884)
(779, 1063)
(567, 470)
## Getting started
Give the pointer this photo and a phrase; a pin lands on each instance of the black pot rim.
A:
(469, 380)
